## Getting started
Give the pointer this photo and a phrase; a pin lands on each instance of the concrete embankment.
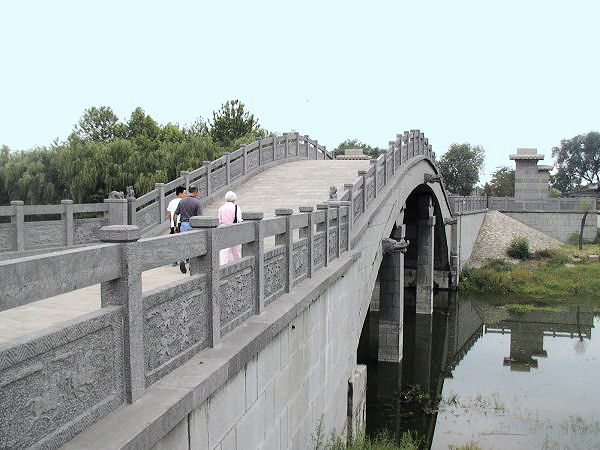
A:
(496, 233)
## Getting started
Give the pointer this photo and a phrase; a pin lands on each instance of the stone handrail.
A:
(19, 237)
(365, 189)
(70, 228)
(463, 204)
(226, 172)
(111, 356)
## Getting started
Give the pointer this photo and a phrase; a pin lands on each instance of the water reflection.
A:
(453, 387)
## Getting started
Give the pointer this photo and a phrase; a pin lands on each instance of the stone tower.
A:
(531, 180)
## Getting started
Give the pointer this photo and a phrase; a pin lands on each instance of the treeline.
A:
(103, 154)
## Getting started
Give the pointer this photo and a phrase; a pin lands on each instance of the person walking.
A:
(230, 213)
(179, 194)
(188, 207)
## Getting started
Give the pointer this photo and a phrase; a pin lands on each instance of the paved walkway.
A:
(288, 185)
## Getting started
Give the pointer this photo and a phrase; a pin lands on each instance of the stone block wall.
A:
(298, 380)
(559, 225)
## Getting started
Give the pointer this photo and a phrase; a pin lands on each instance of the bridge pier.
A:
(391, 301)
(425, 255)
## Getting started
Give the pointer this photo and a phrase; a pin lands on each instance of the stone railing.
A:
(462, 204)
(19, 234)
(231, 169)
(56, 383)
(466, 204)
(542, 205)
(65, 225)
(363, 191)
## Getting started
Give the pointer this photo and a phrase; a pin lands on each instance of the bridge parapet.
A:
(68, 224)
(63, 379)
(364, 190)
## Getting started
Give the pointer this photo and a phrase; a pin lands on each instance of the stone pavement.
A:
(496, 233)
(288, 185)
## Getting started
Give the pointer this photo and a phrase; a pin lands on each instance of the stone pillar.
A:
(363, 174)
(336, 211)
(374, 166)
(297, 137)
(287, 144)
(308, 232)
(131, 210)
(324, 226)
(227, 167)
(208, 264)
(260, 144)
(316, 149)
(425, 255)
(67, 219)
(208, 183)
(350, 188)
(186, 178)
(127, 293)
(18, 221)
(117, 211)
(347, 207)
(162, 204)
(256, 248)
(307, 144)
(244, 159)
(287, 239)
(391, 300)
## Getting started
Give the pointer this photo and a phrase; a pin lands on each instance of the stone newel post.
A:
(256, 249)
(127, 293)
(287, 239)
(209, 265)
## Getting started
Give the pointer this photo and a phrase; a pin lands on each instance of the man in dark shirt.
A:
(188, 207)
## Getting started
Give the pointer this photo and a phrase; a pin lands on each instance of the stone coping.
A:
(534, 156)
(168, 401)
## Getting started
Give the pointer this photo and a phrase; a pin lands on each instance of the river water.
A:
(475, 373)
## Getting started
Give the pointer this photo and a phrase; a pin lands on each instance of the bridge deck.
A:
(288, 185)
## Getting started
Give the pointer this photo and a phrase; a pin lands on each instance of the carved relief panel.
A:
(176, 325)
(54, 386)
(275, 273)
(236, 294)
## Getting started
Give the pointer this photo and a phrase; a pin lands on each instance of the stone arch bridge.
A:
(253, 354)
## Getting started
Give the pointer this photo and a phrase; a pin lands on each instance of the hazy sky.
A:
(500, 74)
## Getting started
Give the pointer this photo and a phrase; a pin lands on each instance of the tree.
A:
(460, 166)
(98, 124)
(232, 122)
(577, 159)
(373, 152)
(502, 183)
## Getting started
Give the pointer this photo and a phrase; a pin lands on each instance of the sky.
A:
(497, 74)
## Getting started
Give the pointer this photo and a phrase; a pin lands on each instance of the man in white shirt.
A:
(179, 193)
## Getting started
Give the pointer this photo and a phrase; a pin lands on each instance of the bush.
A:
(519, 248)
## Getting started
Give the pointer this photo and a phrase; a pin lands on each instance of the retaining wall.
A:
(558, 224)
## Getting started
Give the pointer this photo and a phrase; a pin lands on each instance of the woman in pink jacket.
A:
(230, 213)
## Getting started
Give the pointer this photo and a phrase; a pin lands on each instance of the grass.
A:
(383, 441)
(549, 274)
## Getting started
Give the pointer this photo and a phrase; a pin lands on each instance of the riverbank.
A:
(550, 275)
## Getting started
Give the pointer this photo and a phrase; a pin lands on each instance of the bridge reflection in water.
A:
(404, 396)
